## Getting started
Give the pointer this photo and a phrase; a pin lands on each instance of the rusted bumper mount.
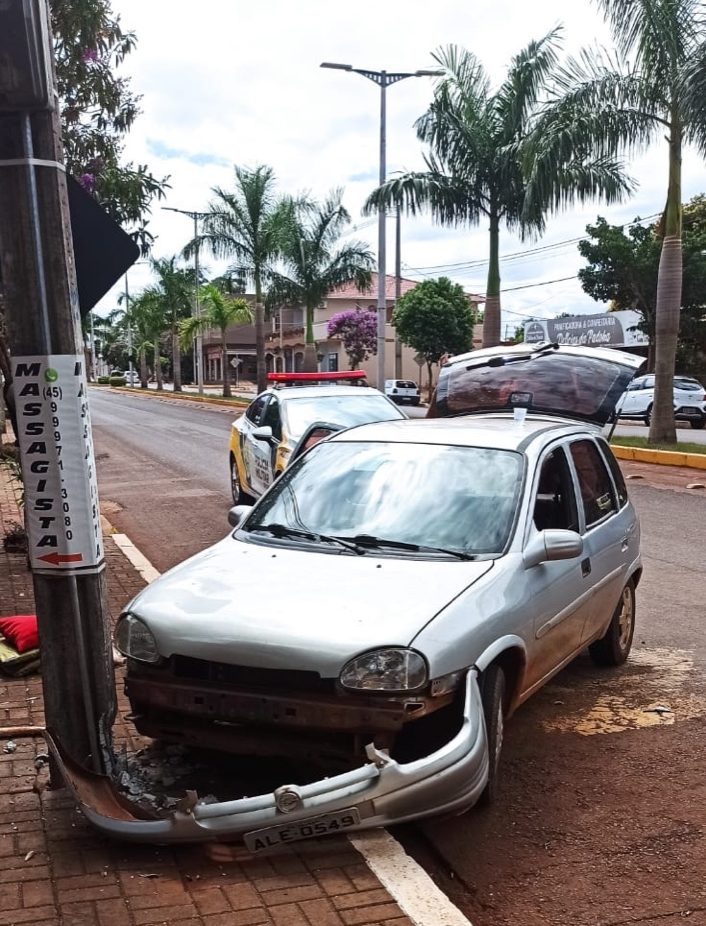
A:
(383, 791)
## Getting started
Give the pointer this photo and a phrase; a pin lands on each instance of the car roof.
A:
(311, 392)
(500, 432)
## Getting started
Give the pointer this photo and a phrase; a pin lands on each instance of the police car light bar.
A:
(353, 375)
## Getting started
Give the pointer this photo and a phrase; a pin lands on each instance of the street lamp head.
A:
(429, 73)
(335, 66)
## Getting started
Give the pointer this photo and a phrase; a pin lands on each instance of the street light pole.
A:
(197, 302)
(383, 79)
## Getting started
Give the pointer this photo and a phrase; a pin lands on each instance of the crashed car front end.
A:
(380, 791)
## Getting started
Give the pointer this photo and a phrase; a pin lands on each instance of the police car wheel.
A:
(239, 497)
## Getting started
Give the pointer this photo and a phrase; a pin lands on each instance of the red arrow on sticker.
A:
(56, 559)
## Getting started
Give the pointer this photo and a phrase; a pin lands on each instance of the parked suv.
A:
(689, 400)
(402, 390)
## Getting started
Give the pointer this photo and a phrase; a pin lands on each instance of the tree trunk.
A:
(176, 356)
(669, 283)
(144, 375)
(310, 360)
(260, 335)
(158, 366)
(491, 314)
(225, 365)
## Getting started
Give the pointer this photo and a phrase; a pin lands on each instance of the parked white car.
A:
(402, 390)
(689, 400)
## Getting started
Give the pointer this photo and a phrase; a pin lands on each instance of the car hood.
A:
(272, 606)
(579, 383)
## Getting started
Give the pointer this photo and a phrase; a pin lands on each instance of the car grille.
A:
(185, 667)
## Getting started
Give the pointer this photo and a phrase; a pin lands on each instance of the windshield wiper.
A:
(283, 530)
(368, 540)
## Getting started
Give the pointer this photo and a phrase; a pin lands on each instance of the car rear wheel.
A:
(239, 497)
(614, 646)
(493, 698)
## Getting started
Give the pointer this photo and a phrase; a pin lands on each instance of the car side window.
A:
(594, 481)
(616, 472)
(555, 502)
(255, 409)
(271, 416)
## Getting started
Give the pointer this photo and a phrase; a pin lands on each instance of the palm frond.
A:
(526, 82)
(450, 200)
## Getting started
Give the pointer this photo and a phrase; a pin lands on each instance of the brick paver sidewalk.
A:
(55, 868)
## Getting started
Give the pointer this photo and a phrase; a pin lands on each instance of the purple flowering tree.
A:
(357, 328)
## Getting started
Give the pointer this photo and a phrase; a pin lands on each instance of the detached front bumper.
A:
(383, 792)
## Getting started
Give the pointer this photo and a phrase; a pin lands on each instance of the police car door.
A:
(264, 449)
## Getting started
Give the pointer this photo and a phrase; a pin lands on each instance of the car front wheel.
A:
(614, 646)
(239, 497)
(698, 423)
(492, 685)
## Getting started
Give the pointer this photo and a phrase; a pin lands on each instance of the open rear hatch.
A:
(580, 383)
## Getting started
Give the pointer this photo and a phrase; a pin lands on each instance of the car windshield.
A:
(459, 499)
(346, 410)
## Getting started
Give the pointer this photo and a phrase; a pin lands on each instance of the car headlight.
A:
(134, 639)
(389, 669)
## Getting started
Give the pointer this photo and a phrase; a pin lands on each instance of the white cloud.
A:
(226, 82)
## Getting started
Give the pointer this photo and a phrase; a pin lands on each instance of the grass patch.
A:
(237, 401)
(641, 442)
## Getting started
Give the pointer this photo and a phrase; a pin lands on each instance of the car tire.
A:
(698, 424)
(613, 647)
(492, 690)
(239, 497)
(648, 415)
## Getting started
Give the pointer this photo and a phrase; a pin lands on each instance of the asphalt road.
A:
(602, 815)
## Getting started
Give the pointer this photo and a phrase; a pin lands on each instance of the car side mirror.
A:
(550, 545)
(262, 433)
(238, 514)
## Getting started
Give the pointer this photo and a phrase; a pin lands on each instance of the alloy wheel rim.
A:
(625, 619)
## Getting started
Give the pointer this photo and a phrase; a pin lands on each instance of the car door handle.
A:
(585, 567)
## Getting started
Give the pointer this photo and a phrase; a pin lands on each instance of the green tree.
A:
(623, 268)
(315, 263)
(150, 317)
(625, 107)
(220, 311)
(479, 155)
(98, 109)
(435, 318)
(175, 287)
(248, 225)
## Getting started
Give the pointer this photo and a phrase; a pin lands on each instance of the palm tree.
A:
(624, 108)
(248, 225)
(476, 164)
(314, 263)
(150, 318)
(218, 310)
(176, 288)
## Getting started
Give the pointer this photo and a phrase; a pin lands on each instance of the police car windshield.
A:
(344, 410)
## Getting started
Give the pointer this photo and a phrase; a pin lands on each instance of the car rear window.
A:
(584, 388)
(345, 410)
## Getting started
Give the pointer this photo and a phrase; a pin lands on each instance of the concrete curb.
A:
(236, 405)
(660, 457)
(405, 880)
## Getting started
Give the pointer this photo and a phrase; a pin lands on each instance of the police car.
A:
(263, 438)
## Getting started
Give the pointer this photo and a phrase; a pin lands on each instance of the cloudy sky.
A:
(224, 82)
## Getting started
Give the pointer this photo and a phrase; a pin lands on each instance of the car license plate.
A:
(273, 836)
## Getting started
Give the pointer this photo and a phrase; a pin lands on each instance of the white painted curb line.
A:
(408, 884)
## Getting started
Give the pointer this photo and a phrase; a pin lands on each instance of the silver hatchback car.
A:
(391, 600)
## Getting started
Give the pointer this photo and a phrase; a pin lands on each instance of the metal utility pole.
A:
(384, 80)
(49, 385)
(398, 288)
(198, 364)
(129, 331)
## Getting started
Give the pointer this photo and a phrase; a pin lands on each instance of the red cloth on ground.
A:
(20, 631)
